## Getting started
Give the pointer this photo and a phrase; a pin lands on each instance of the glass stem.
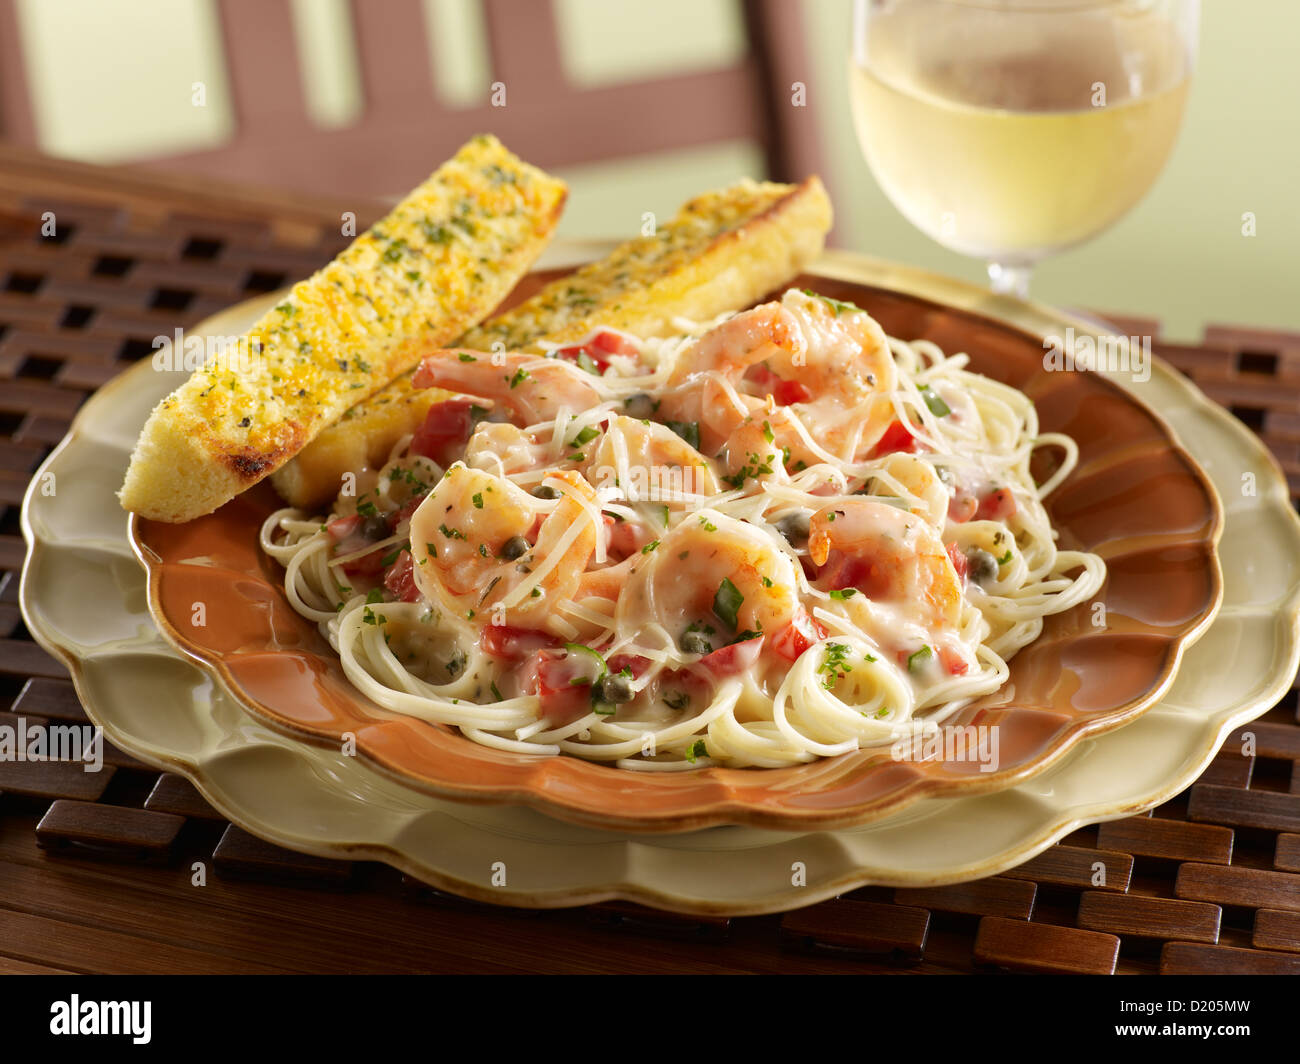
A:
(1010, 280)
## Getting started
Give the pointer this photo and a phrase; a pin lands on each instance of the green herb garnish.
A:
(935, 402)
(727, 602)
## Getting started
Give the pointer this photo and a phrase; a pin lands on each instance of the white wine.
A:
(1011, 147)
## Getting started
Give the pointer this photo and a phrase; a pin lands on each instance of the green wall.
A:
(112, 81)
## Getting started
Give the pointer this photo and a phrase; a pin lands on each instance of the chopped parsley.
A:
(585, 436)
(753, 468)
(838, 305)
(843, 593)
(478, 500)
(695, 750)
(650, 546)
(727, 602)
(918, 660)
(687, 430)
(935, 402)
(835, 664)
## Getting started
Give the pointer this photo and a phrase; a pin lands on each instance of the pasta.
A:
(776, 537)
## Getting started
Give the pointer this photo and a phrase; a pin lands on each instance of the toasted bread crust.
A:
(722, 251)
(435, 266)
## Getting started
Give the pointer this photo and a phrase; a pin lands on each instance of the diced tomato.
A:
(783, 391)
(404, 512)
(896, 438)
(952, 662)
(503, 641)
(341, 527)
(371, 564)
(797, 636)
(626, 537)
(959, 560)
(550, 676)
(734, 658)
(445, 431)
(843, 571)
(399, 578)
(997, 505)
(962, 507)
(598, 349)
(347, 537)
(634, 663)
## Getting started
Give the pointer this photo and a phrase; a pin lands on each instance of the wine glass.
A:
(1012, 129)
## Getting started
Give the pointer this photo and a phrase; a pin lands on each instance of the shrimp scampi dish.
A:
(774, 537)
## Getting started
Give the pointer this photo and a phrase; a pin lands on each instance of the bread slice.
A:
(435, 266)
(722, 251)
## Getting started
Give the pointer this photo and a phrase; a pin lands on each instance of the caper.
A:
(696, 643)
(616, 688)
(545, 491)
(640, 406)
(514, 547)
(376, 527)
(983, 566)
(795, 527)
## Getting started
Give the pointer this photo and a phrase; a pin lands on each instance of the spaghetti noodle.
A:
(777, 537)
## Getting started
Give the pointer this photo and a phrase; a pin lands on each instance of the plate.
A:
(83, 598)
(1136, 498)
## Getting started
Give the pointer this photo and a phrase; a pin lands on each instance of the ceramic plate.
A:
(83, 597)
(1136, 499)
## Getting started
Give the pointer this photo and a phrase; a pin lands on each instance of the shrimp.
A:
(481, 545)
(682, 584)
(650, 463)
(826, 363)
(504, 449)
(888, 555)
(531, 388)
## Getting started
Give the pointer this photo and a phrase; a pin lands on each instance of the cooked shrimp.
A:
(504, 449)
(888, 555)
(743, 340)
(650, 463)
(680, 584)
(532, 388)
(478, 545)
(828, 363)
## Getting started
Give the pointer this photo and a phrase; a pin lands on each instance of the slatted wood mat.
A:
(98, 871)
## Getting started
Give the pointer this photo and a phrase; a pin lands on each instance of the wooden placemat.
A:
(129, 870)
